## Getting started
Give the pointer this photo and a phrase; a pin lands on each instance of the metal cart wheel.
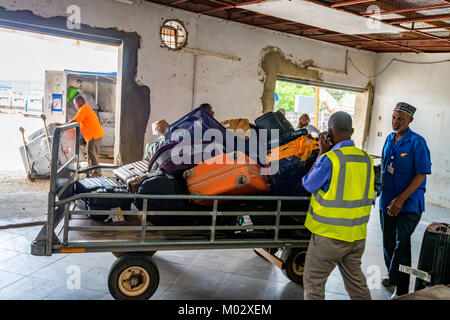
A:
(133, 276)
(294, 263)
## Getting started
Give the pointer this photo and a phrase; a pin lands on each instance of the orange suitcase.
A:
(226, 174)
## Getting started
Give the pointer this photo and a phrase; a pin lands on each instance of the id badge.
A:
(390, 169)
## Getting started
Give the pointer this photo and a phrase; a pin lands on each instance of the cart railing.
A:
(61, 208)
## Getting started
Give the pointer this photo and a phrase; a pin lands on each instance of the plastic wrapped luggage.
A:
(102, 185)
(132, 174)
(274, 120)
(38, 152)
(176, 157)
(165, 184)
(434, 255)
(226, 174)
(152, 147)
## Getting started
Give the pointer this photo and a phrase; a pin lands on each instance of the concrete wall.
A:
(427, 87)
(234, 88)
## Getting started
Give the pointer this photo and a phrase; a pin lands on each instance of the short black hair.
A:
(341, 122)
(80, 100)
(205, 106)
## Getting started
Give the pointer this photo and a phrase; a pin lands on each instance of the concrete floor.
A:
(196, 274)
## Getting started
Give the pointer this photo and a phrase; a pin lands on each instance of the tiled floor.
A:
(197, 274)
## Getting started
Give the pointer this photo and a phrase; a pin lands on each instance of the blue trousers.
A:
(397, 233)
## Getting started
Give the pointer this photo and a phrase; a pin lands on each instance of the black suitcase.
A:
(274, 120)
(165, 184)
(102, 185)
(435, 255)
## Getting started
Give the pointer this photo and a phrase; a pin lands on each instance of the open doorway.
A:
(317, 101)
(38, 73)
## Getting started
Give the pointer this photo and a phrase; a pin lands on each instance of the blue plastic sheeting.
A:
(108, 74)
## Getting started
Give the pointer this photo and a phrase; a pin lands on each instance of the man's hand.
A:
(324, 146)
(395, 207)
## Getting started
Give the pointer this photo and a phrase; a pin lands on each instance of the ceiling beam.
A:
(396, 40)
(177, 2)
(281, 23)
(349, 3)
(421, 19)
(434, 6)
(231, 6)
(251, 17)
(306, 29)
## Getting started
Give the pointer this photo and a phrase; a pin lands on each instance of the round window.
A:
(173, 34)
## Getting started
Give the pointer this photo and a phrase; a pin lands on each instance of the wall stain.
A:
(275, 63)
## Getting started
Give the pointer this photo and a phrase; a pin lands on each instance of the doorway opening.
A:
(40, 74)
(319, 101)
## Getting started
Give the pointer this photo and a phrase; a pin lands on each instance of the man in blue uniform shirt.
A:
(405, 164)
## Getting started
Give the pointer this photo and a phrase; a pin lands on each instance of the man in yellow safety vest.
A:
(341, 184)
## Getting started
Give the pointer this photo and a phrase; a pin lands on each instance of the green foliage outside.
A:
(287, 91)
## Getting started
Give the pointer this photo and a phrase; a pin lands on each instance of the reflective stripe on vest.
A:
(339, 221)
(339, 202)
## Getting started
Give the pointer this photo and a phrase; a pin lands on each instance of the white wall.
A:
(427, 87)
(233, 88)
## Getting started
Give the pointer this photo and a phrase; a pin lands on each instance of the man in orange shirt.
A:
(91, 129)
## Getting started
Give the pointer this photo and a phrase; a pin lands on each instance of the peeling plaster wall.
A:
(427, 87)
(233, 88)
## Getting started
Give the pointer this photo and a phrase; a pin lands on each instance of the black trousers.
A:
(397, 233)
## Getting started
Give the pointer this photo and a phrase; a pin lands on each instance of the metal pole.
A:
(25, 150)
(214, 217)
(144, 220)
(316, 116)
(48, 139)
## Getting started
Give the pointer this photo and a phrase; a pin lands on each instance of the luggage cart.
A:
(135, 275)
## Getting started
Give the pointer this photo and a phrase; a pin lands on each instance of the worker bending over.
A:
(91, 129)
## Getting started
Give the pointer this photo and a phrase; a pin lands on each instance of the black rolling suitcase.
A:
(435, 255)
(274, 120)
(102, 185)
(164, 184)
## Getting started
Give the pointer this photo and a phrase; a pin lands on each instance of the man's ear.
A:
(353, 130)
(411, 118)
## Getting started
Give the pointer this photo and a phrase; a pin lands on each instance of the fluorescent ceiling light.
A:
(320, 16)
